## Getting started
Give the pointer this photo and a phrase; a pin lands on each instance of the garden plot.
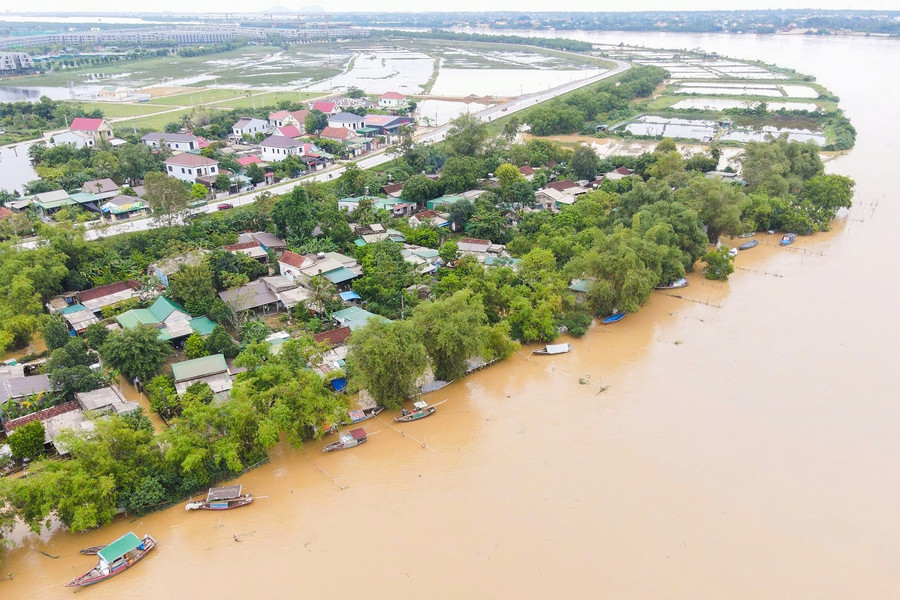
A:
(800, 91)
(674, 128)
(763, 133)
(726, 103)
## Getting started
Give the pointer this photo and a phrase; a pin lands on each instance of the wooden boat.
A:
(122, 554)
(91, 550)
(347, 440)
(787, 239)
(613, 318)
(553, 349)
(748, 245)
(422, 410)
(358, 416)
(749, 234)
(221, 498)
(674, 284)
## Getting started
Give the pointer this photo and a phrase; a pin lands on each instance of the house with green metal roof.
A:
(172, 321)
(443, 201)
(211, 370)
(355, 317)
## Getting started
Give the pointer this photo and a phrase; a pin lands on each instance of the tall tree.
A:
(466, 135)
(585, 162)
(55, 332)
(453, 330)
(386, 359)
(168, 196)
(136, 352)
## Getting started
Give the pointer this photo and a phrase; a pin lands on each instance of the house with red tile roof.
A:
(99, 129)
(329, 108)
(290, 131)
(391, 100)
(246, 161)
(334, 337)
(338, 134)
(290, 264)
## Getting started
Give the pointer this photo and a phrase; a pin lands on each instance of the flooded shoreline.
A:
(754, 459)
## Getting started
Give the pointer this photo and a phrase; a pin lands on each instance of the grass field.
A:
(156, 122)
(268, 99)
(114, 109)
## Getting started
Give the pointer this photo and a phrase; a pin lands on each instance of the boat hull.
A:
(96, 576)
(334, 447)
(222, 505)
(420, 414)
(613, 318)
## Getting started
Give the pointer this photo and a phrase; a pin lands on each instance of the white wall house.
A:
(279, 147)
(391, 100)
(346, 120)
(289, 265)
(249, 126)
(187, 167)
(182, 142)
(79, 139)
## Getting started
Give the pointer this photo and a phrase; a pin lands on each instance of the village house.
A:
(278, 147)
(346, 120)
(246, 161)
(334, 359)
(428, 217)
(374, 233)
(386, 125)
(287, 291)
(78, 139)
(56, 419)
(442, 202)
(102, 189)
(106, 399)
(17, 387)
(252, 248)
(255, 295)
(181, 142)
(619, 173)
(268, 241)
(527, 172)
(333, 266)
(247, 126)
(355, 317)
(391, 100)
(123, 207)
(551, 199)
(171, 320)
(281, 118)
(329, 108)
(211, 370)
(394, 190)
(474, 245)
(188, 167)
(289, 131)
(98, 129)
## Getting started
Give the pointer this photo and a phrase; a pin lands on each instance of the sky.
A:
(221, 6)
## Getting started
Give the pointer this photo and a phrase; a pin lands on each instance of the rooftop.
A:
(280, 141)
(190, 160)
(85, 124)
(199, 367)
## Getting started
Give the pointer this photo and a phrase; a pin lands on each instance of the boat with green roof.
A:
(118, 556)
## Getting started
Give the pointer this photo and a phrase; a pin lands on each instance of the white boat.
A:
(553, 349)
(680, 283)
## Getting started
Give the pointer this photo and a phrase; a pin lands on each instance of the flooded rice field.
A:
(439, 112)
(726, 103)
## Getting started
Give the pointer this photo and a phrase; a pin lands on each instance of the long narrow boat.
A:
(92, 550)
(347, 440)
(422, 410)
(613, 318)
(748, 245)
(674, 284)
(221, 498)
(118, 556)
(358, 416)
(749, 234)
(553, 349)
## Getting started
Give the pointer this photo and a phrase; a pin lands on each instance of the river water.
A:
(746, 444)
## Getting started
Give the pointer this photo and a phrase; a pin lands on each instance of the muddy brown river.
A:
(746, 445)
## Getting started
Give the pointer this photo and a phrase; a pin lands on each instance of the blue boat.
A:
(613, 318)
(787, 239)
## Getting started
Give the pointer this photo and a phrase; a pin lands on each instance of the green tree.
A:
(199, 191)
(255, 173)
(466, 135)
(195, 346)
(321, 291)
(136, 353)
(294, 214)
(449, 251)
(192, 285)
(163, 398)
(27, 441)
(69, 369)
(219, 342)
(585, 162)
(386, 359)
(95, 335)
(315, 121)
(222, 182)
(254, 331)
(167, 196)
(827, 194)
(419, 189)
(719, 263)
(55, 332)
(507, 175)
(386, 275)
(718, 204)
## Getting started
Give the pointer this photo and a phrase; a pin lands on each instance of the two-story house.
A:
(187, 167)
(182, 142)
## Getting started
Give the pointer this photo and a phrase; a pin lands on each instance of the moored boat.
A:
(748, 245)
(421, 410)
(221, 498)
(674, 284)
(122, 554)
(553, 349)
(749, 234)
(91, 550)
(613, 318)
(359, 415)
(787, 239)
(347, 440)
(732, 252)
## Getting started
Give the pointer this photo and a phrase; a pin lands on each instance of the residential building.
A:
(248, 126)
(15, 62)
(527, 171)
(329, 108)
(99, 129)
(391, 100)
(290, 263)
(78, 139)
(188, 167)
(470, 245)
(394, 190)
(278, 147)
(297, 118)
(211, 370)
(347, 120)
(173, 322)
(107, 399)
(18, 388)
(256, 295)
(124, 207)
(428, 217)
(442, 202)
(551, 199)
(49, 202)
(102, 189)
(253, 249)
(98, 297)
(619, 173)
(355, 317)
(386, 124)
(181, 142)
(246, 161)
(56, 419)
(289, 131)
(338, 134)
(335, 267)
(287, 291)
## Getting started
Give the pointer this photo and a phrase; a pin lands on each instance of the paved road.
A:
(372, 160)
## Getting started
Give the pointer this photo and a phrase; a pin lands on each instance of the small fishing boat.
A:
(91, 550)
(357, 416)
(613, 318)
(787, 239)
(347, 440)
(122, 554)
(421, 410)
(553, 349)
(748, 245)
(221, 498)
(749, 234)
(674, 285)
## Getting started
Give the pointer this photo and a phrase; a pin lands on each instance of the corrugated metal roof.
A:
(126, 543)
(199, 367)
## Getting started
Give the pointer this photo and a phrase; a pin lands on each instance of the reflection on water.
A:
(745, 445)
(15, 167)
